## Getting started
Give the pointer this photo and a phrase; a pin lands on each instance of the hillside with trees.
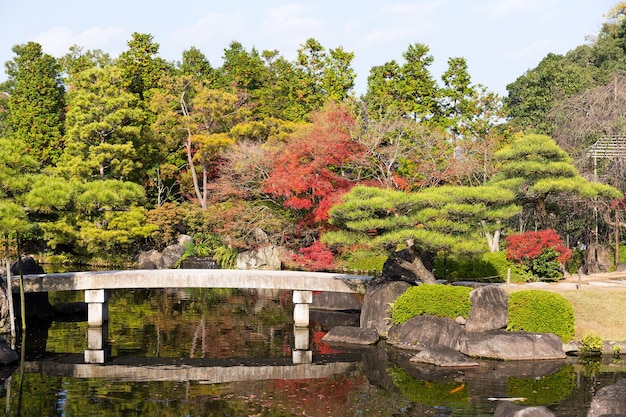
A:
(102, 157)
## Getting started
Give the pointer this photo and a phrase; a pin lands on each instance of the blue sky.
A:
(500, 39)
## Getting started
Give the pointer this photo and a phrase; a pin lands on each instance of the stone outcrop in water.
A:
(424, 331)
(507, 409)
(609, 401)
(351, 335)
(504, 345)
(376, 310)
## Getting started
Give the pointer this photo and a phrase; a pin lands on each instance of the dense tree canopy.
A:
(95, 150)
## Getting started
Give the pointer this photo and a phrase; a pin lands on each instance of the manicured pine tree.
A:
(447, 220)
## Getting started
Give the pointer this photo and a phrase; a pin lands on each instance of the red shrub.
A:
(316, 257)
(529, 245)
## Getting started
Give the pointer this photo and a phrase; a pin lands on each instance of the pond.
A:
(219, 352)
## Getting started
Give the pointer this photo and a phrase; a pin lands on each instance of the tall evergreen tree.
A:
(36, 102)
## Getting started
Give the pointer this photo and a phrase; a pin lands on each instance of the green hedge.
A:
(432, 299)
(365, 261)
(541, 311)
(486, 267)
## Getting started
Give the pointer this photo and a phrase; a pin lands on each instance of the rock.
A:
(490, 309)
(376, 309)
(500, 344)
(148, 259)
(335, 301)
(597, 259)
(609, 401)
(351, 336)
(424, 331)
(171, 256)
(5, 319)
(443, 356)
(196, 262)
(508, 409)
(38, 308)
(185, 240)
(266, 257)
(7, 355)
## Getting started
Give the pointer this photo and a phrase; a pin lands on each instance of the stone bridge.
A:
(97, 286)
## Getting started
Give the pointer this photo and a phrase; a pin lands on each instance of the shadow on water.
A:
(228, 353)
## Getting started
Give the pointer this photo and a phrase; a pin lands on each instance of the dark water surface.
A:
(229, 353)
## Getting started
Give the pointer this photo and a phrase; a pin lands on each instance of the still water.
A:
(229, 353)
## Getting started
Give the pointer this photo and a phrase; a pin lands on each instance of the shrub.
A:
(316, 257)
(486, 267)
(432, 299)
(591, 343)
(542, 312)
(366, 261)
(542, 252)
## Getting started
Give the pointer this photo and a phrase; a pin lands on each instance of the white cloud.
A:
(211, 34)
(57, 40)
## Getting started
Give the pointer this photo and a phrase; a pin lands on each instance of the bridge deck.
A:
(195, 278)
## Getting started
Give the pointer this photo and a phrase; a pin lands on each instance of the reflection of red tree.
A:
(320, 347)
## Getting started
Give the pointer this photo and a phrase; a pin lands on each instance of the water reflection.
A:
(217, 353)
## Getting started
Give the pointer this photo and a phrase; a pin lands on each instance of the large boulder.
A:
(351, 336)
(148, 259)
(38, 308)
(171, 256)
(5, 316)
(490, 309)
(609, 401)
(508, 409)
(597, 259)
(266, 257)
(500, 344)
(376, 309)
(420, 332)
(443, 356)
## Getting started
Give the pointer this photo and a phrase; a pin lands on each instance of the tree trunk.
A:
(416, 266)
(493, 241)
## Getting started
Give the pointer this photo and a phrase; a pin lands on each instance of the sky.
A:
(500, 39)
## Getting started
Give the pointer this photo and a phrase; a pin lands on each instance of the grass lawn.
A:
(599, 311)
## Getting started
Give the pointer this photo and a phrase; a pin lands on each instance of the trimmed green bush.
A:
(366, 261)
(486, 267)
(432, 299)
(542, 312)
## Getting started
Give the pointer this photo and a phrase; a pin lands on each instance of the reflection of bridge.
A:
(212, 371)
(97, 286)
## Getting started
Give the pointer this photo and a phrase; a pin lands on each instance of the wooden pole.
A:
(22, 298)
(10, 292)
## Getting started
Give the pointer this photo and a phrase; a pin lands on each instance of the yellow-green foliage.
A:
(486, 267)
(432, 299)
(366, 261)
(542, 312)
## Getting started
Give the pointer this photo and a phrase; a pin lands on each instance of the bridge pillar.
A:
(97, 307)
(301, 353)
(97, 325)
(301, 301)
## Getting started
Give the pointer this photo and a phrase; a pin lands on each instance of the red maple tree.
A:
(314, 168)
